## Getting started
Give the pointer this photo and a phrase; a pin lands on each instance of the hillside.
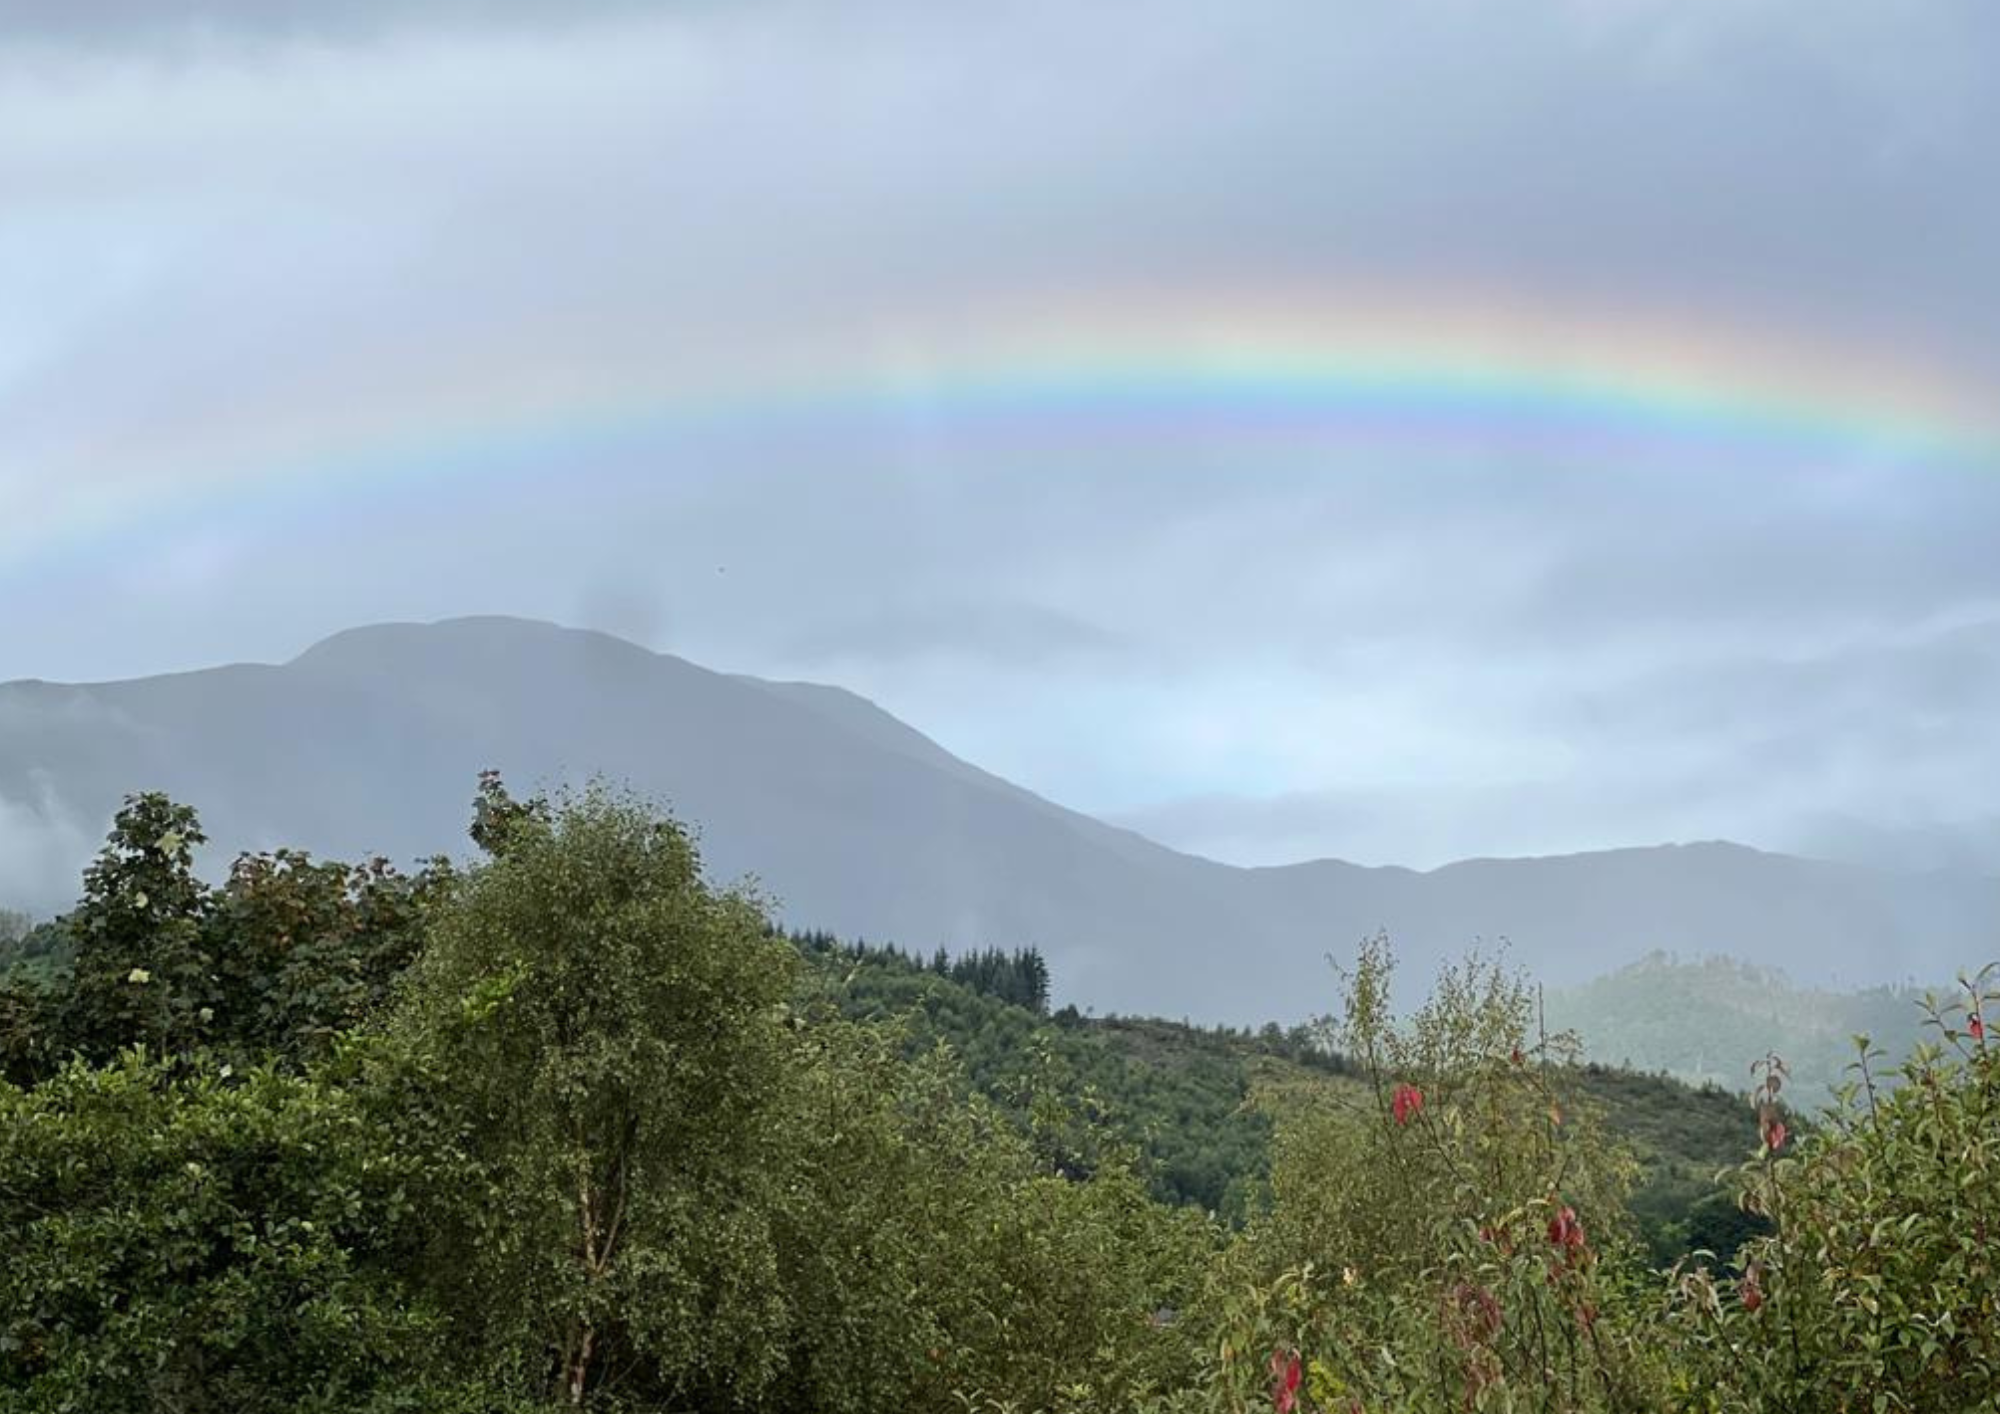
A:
(370, 742)
(1186, 1097)
(1705, 1021)
(1178, 1093)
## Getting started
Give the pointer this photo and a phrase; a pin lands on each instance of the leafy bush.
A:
(934, 1252)
(1879, 1288)
(1456, 1239)
(189, 1239)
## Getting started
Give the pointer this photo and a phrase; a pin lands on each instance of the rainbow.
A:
(1490, 380)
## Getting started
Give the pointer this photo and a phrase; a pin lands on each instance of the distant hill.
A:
(370, 742)
(1707, 1020)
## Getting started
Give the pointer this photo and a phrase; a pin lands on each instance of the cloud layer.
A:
(263, 268)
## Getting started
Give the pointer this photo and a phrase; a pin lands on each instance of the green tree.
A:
(32, 982)
(932, 1253)
(304, 950)
(288, 954)
(25, 1015)
(142, 973)
(609, 1043)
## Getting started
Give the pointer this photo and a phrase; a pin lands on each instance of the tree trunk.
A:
(578, 1365)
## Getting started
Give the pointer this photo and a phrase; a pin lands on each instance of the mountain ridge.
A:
(369, 742)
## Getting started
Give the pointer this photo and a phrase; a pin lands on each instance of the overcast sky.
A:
(711, 324)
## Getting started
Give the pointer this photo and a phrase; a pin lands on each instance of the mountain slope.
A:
(370, 742)
(1698, 1019)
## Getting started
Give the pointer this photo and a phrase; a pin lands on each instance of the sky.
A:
(1392, 431)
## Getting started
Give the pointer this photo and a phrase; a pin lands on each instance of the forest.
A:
(569, 1127)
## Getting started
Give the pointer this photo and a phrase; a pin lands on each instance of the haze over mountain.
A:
(370, 742)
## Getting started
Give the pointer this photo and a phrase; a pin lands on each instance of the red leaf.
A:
(1285, 1374)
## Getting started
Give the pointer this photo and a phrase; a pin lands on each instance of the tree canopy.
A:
(570, 1127)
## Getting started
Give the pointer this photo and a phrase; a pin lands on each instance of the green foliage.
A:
(178, 1239)
(670, 1189)
(1187, 1095)
(497, 817)
(142, 974)
(1880, 1287)
(574, 1129)
(1455, 1239)
(609, 1040)
(288, 954)
(931, 1252)
(1683, 1138)
(302, 951)
(598, 1158)
(1180, 1095)
(1018, 978)
(35, 952)
(24, 1031)
(34, 967)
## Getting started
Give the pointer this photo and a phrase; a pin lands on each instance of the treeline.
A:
(569, 1128)
(1018, 978)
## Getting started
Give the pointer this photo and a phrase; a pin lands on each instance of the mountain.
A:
(370, 743)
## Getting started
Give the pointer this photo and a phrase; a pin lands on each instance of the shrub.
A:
(181, 1238)
(933, 1250)
(1449, 1234)
(1880, 1287)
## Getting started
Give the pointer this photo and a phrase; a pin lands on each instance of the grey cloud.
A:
(1296, 825)
(1902, 698)
(268, 257)
(1011, 635)
(1968, 845)
(1876, 753)
(119, 23)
